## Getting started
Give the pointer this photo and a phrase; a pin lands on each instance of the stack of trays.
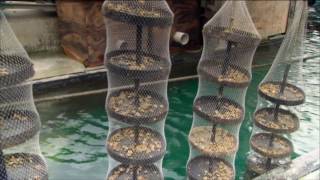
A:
(136, 105)
(19, 120)
(270, 145)
(224, 76)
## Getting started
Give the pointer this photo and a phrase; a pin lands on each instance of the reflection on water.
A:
(72, 138)
(74, 131)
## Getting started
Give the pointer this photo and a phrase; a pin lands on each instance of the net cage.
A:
(230, 42)
(279, 95)
(20, 155)
(138, 63)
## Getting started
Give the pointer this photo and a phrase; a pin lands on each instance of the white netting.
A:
(138, 63)
(279, 92)
(20, 156)
(230, 42)
(15, 65)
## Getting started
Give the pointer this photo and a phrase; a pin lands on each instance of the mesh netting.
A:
(15, 67)
(279, 94)
(230, 41)
(20, 156)
(138, 63)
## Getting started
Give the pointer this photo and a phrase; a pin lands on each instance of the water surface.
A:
(74, 130)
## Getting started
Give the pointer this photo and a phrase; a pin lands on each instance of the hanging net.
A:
(280, 92)
(230, 41)
(20, 156)
(138, 63)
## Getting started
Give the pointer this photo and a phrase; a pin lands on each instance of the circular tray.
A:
(236, 77)
(121, 146)
(287, 122)
(26, 166)
(206, 108)
(137, 13)
(152, 67)
(258, 165)
(126, 172)
(292, 95)
(199, 168)
(225, 143)
(245, 39)
(14, 70)
(17, 126)
(281, 148)
(152, 107)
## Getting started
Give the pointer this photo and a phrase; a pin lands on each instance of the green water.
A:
(74, 130)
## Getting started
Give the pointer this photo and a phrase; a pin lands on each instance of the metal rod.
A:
(135, 173)
(3, 171)
(213, 133)
(136, 90)
(282, 88)
(210, 165)
(271, 140)
(139, 43)
(226, 62)
(268, 164)
(283, 85)
(136, 134)
(285, 78)
(221, 88)
(276, 112)
(150, 40)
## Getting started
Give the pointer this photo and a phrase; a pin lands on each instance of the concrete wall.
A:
(37, 30)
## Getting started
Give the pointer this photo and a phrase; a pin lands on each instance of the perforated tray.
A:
(31, 166)
(14, 70)
(147, 172)
(212, 71)
(282, 147)
(292, 95)
(204, 106)
(245, 39)
(17, 126)
(133, 14)
(158, 107)
(199, 166)
(122, 147)
(153, 67)
(287, 122)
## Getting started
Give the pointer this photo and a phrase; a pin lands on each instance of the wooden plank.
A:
(270, 17)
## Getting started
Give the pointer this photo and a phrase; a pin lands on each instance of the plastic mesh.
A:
(230, 41)
(20, 156)
(138, 63)
(15, 66)
(279, 92)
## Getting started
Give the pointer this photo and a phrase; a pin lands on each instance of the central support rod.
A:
(225, 66)
(139, 44)
(136, 90)
(227, 60)
(277, 108)
(135, 173)
(137, 81)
